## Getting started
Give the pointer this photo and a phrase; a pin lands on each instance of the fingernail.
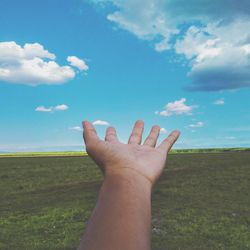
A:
(178, 132)
(83, 124)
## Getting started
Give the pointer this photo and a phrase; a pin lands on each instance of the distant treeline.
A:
(209, 150)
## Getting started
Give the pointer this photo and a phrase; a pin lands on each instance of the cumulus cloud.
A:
(78, 63)
(100, 123)
(61, 107)
(197, 125)
(178, 107)
(76, 128)
(219, 56)
(31, 65)
(215, 37)
(219, 102)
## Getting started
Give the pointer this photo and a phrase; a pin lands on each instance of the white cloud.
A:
(176, 108)
(197, 125)
(219, 102)
(159, 21)
(145, 19)
(163, 131)
(31, 65)
(78, 63)
(213, 36)
(76, 128)
(12, 52)
(196, 43)
(219, 55)
(43, 109)
(101, 123)
(61, 107)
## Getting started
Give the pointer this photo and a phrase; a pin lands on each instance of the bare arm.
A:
(122, 216)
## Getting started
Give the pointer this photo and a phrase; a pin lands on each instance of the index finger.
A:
(89, 132)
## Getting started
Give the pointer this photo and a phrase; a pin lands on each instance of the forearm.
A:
(122, 216)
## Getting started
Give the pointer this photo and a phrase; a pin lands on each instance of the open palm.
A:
(112, 156)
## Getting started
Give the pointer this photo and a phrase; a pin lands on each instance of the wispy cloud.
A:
(76, 128)
(178, 107)
(230, 137)
(101, 123)
(40, 147)
(33, 65)
(43, 109)
(61, 107)
(196, 125)
(219, 102)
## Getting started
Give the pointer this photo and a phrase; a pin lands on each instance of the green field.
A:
(202, 201)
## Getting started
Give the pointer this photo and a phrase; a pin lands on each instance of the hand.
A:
(116, 158)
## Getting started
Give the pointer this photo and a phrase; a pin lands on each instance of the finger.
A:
(111, 134)
(167, 144)
(153, 136)
(89, 133)
(136, 135)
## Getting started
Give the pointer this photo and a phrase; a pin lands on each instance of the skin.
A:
(122, 216)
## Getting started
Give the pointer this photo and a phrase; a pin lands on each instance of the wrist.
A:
(127, 176)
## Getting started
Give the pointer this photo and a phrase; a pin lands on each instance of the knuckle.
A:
(168, 143)
(136, 134)
(151, 138)
(92, 130)
(172, 138)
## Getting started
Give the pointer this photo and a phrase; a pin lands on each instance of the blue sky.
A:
(180, 66)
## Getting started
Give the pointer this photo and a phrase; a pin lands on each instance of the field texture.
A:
(202, 201)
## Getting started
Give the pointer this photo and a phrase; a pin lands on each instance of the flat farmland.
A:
(202, 201)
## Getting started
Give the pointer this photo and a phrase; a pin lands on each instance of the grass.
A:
(201, 201)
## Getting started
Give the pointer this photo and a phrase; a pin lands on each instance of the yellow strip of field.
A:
(42, 154)
(81, 153)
